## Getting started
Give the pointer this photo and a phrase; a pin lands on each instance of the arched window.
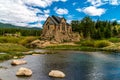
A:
(48, 27)
(63, 26)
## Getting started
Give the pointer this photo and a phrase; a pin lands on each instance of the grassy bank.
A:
(10, 56)
(89, 45)
(10, 47)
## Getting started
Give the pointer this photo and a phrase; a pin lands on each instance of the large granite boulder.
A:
(56, 73)
(18, 62)
(24, 72)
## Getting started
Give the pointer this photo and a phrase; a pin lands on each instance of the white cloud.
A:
(63, 0)
(41, 3)
(93, 11)
(114, 2)
(118, 21)
(21, 12)
(79, 9)
(47, 11)
(114, 19)
(74, 3)
(101, 2)
(95, 2)
(61, 11)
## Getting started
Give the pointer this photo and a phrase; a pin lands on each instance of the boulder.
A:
(56, 73)
(24, 72)
(18, 62)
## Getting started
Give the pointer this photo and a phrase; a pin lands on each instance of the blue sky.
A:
(33, 13)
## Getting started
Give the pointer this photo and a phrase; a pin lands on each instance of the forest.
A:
(23, 31)
(98, 29)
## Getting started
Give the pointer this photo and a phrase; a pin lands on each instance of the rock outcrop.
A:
(18, 62)
(24, 72)
(57, 74)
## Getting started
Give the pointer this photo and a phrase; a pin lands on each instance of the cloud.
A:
(114, 2)
(61, 11)
(63, 0)
(93, 11)
(101, 2)
(47, 11)
(118, 21)
(74, 3)
(41, 3)
(79, 9)
(114, 19)
(95, 2)
(23, 12)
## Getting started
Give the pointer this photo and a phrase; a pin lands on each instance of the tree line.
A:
(23, 31)
(88, 28)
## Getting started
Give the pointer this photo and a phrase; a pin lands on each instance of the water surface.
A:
(76, 65)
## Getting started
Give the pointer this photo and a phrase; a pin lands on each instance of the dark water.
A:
(75, 64)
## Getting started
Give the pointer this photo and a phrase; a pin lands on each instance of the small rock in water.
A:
(24, 72)
(18, 62)
(35, 54)
(15, 57)
(57, 74)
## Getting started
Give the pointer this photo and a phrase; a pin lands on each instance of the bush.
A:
(102, 43)
(88, 43)
(114, 40)
(27, 40)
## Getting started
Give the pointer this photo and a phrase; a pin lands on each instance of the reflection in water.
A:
(75, 64)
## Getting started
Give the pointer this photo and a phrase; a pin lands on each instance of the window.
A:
(63, 26)
(48, 27)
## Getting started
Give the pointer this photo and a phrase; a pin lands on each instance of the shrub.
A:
(114, 40)
(88, 43)
(102, 43)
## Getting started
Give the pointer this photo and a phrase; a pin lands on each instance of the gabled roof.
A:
(55, 20)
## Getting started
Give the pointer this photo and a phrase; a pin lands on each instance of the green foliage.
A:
(114, 40)
(95, 29)
(27, 40)
(8, 56)
(23, 31)
(89, 43)
(102, 43)
(8, 39)
(10, 47)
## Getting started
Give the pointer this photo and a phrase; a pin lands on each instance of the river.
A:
(76, 65)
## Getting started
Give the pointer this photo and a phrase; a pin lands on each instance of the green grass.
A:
(102, 43)
(10, 47)
(71, 47)
(27, 40)
(9, 39)
(114, 40)
(10, 56)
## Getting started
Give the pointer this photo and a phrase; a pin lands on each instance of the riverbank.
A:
(88, 45)
(11, 47)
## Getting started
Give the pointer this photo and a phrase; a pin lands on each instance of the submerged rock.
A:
(18, 62)
(56, 73)
(24, 72)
